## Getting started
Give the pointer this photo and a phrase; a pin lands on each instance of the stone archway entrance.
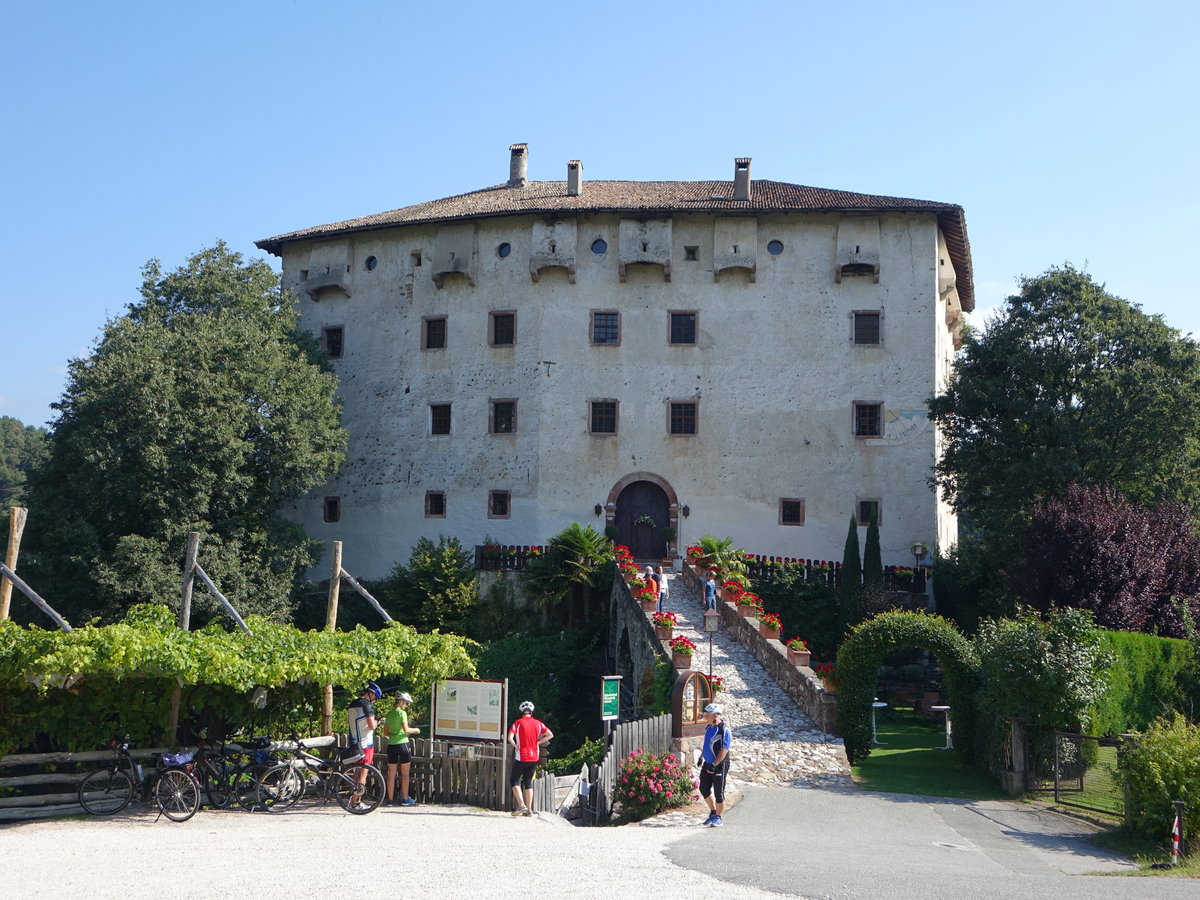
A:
(641, 506)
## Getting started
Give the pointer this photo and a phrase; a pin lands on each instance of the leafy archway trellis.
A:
(863, 652)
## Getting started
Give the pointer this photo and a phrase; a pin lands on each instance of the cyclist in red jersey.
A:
(527, 736)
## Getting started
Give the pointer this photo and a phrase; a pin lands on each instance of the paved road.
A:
(849, 844)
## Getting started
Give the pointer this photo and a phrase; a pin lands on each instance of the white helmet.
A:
(526, 707)
(405, 696)
(715, 708)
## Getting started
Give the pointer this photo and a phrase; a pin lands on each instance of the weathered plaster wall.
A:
(774, 372)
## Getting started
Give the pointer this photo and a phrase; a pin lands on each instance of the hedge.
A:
(1149, 677)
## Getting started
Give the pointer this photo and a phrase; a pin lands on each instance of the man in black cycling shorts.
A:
(714, 765)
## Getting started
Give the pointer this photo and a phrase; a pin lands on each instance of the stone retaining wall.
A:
(799, 682)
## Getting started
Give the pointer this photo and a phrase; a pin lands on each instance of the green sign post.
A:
(610, 698)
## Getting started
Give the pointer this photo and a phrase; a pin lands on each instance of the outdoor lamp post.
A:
(918, 551)
(712, 624)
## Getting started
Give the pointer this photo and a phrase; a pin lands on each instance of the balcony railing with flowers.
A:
(505, 557)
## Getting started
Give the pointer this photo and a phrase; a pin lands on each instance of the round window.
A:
(598, 246)
(775, 247)
(504, 249)
(372, 262)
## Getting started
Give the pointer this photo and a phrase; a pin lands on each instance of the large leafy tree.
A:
(202, 409)
(1068, 383)
(1129, 566)
(21, 448)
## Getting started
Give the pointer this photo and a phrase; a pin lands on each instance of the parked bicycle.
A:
(107, 791)
(358, 787)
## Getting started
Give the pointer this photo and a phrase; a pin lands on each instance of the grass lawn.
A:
(908, 761)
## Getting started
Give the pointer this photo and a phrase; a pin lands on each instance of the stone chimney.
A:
(574, 178)
(741, 178)
(518, 165)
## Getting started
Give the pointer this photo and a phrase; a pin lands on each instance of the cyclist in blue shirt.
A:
(714, 766)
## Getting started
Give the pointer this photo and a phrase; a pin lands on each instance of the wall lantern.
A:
(598, 509)
(686, 510)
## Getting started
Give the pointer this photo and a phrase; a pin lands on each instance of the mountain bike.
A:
(358, 787)
(107, 791)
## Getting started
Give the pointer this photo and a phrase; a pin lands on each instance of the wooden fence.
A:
(651, 735)
(446, 772)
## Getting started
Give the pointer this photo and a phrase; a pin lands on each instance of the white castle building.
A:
(745, 358)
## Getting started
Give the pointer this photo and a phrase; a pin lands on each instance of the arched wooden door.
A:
(643, 510)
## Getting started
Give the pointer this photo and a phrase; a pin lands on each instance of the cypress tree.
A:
(851, 577)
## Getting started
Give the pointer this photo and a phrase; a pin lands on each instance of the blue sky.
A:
(1067, 131)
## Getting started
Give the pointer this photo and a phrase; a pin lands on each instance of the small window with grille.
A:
(435, 505)
(504, 417)
(683, 328)
(332, 341)
(503, 329)
(499, 504)
(331, 510)
(868, 419)
(606, 327)
(683, 417)
(434, 337)
(791, 511)
(603, 417)
(439, 418)
(866, 327)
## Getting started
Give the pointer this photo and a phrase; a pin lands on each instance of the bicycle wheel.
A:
(243, 785)
(359, 789)
(177, 794)
(217, 777)
(106, 792)
(280, 788)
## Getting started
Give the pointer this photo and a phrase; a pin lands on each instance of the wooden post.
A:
(185, 622)
(189, 579)
(335, 583)
(16, 527)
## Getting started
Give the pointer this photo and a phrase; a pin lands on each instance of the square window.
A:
(439, 418)
(415, 259)
(504, 417)
(691, 254)
(866, 328)
(606, 328)
(868, 510)
(503, 329)
(604, 417)
(791, 512)
(683, 328)
(868, 419)
(434, 337)
(331, 341)
(435, 505)
(683, 418)
(499, 504)
(331, 510)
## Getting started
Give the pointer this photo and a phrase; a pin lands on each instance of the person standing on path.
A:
(714, 763)
(710, 592)
(399, 752)
(663, 590)
(360, 727)
(527, 736)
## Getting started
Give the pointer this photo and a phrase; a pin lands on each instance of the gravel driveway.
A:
(436, 851)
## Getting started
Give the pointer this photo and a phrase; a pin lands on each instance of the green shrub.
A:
(648, 784)
(590, 752)
(1150, 677)
(808, 609)
(1046, 669)
(1163, 766)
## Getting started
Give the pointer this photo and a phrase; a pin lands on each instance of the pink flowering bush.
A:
(648, 784)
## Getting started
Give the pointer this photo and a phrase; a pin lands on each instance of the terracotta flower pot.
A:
(746, 611)
(799, 657)
(681, 660)
(649, 605)
(830, 687)
(664, 632)
(768, 633)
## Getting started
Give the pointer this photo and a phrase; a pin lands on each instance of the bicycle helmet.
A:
(405, 696)
(526, 707)
(374, 689)
(715, 709)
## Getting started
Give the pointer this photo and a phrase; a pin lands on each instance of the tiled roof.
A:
(652, 198)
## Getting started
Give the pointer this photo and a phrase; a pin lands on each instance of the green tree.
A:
(570, 566)
(22, 447)
(202, 409)
(437, 589)
(1068, 383)
(851, 577)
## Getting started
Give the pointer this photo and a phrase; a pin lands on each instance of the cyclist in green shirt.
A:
(399, 752)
